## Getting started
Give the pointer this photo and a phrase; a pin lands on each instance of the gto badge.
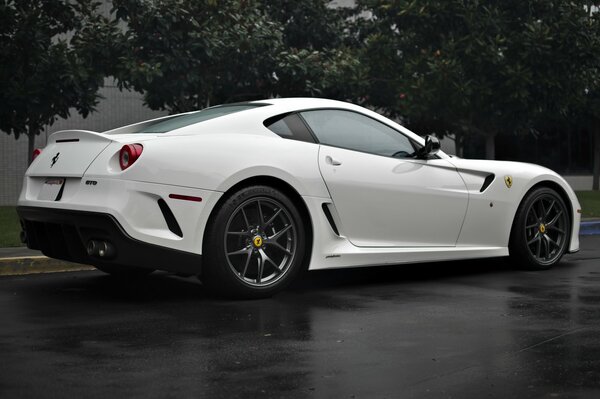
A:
(508, 180)
(54, 159)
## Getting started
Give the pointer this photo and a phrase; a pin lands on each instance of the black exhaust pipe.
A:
(101, 249)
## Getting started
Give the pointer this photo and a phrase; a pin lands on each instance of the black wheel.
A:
(254, 246)
(541, 230)
(127, 272)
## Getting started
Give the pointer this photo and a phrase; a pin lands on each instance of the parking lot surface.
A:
(456, 329)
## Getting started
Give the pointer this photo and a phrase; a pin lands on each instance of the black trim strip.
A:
(63, 234)
(67, 140)
(329, 217)
(486, 183)
(169, 218)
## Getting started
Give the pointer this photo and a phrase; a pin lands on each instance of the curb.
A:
(590, 227)
(17, 266)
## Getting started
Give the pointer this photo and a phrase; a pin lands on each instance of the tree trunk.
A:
(596, 162)
(490, 146)
(30, 146)
(458, 145)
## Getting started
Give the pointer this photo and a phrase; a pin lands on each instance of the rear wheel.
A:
(255, 244)
(541, 230)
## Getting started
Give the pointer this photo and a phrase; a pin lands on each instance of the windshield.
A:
(165, 125)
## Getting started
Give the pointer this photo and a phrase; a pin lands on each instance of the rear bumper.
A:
(64, 234)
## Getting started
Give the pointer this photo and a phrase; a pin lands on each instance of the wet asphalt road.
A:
(461, 329)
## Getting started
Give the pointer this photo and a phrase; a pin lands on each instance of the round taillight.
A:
(129, 154)
(35, 154)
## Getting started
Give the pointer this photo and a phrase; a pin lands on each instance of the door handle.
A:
(332, 161)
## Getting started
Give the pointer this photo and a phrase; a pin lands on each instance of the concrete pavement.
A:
(455, 329)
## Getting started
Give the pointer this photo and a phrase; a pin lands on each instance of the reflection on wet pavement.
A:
(457, 329)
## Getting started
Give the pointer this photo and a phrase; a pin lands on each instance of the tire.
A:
(541, 230)
(125, 272)
(254, 245)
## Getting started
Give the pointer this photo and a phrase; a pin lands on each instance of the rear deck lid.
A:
(69, 153)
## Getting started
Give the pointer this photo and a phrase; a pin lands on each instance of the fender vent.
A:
(486, 183)
(329, 217)
(169, 218)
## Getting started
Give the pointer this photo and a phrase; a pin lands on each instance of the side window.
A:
(354, 131)
(289, 127)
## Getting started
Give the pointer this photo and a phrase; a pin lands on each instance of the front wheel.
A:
(541, 230)
(254, 245)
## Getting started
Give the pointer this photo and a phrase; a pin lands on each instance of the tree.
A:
(48, 62)
(476, 68)
(188, 54)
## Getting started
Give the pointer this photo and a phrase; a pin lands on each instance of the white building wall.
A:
(115, 109)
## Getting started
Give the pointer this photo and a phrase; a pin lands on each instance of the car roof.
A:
(250, 121)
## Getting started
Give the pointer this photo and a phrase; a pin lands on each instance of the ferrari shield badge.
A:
(508, 181)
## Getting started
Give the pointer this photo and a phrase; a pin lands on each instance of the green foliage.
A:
(50, 62)
(188, 54)
(472, 67)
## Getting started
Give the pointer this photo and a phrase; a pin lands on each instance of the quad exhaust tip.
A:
(101, 249)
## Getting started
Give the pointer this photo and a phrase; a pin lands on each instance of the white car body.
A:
(386, 210)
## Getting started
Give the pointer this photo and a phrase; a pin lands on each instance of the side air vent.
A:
(329, 217)
(486, 183)
(169, 218)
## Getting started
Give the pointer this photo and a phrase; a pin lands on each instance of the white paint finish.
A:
(68, 159)
(217, 161)
(385, 201)
(485, 225)
(387, 210)
(134, 205)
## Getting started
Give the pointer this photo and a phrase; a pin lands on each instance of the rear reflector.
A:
(185, 197)
(35, 154)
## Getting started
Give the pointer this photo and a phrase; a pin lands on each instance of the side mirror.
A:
(431, 147)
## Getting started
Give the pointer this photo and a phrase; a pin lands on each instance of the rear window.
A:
(165, 125)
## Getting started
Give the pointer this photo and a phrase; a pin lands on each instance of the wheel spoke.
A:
(543, 209)
(245, 218)
(260, 214)
(547, 249)
(272, 218)
(278, 245)
(537, 218)
(549, 209)
(246, 264)
(279, 233)
(266, 259)
(532, 225)
(554, 219)
(552, 227)
(260, 271)
(539, 247)
(238, 233)
(244, 250)
(534, 239)
(551, 241)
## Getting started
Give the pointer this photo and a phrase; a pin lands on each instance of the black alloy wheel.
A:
(541, 230)
(254, 245)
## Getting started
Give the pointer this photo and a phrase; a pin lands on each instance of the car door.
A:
(383, 196)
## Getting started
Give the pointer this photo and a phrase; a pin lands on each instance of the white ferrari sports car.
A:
(247, 195)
